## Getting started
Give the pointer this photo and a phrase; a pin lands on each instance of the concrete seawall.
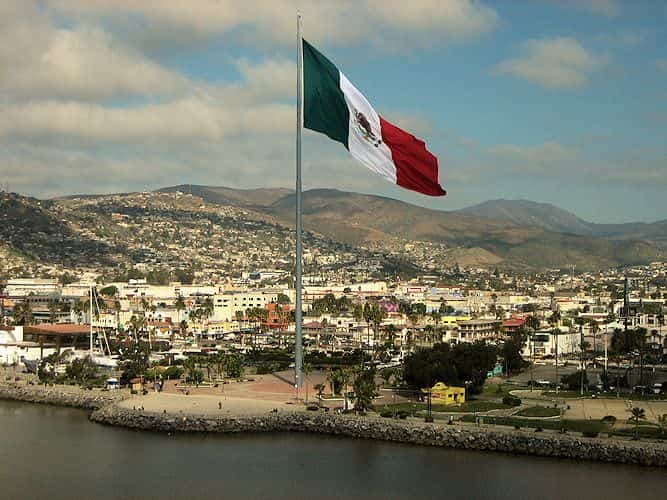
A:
(525, 443)
(61, 395)
(106, 411)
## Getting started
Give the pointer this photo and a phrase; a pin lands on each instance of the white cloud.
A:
(270, 79)
(84, 62)
(556, 63)
(340, 22)
(191, 118)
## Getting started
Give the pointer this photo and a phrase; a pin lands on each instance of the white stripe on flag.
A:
(367, 148)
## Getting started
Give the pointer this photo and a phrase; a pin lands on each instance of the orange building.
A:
(278, 316)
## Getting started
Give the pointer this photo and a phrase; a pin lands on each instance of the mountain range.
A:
(517, 233)
(553, 218)
(501, 233)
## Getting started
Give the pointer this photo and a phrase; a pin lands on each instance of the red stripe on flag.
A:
(416, 167)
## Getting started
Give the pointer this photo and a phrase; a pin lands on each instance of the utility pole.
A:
(555, 334)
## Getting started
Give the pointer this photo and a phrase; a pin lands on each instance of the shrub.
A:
(402, 414)
(510, 400)
(590, 434)
(538, 429)
(517, 427)
(386, 414)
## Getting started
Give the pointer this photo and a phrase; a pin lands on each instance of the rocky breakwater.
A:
(548, 445)
(61, 395)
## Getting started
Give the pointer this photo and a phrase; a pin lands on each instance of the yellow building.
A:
(443, 394)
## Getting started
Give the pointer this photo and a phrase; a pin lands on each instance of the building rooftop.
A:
(58, 329)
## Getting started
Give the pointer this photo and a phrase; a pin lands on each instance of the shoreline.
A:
(106, 409)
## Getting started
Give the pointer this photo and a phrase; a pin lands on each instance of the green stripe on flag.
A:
(324, 107)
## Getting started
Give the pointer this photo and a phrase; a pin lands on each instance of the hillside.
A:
(556, 219)
(220, 229)
(243, 198)
(359, 219)
(530, 213)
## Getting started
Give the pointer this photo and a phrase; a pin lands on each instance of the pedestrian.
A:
(219, 405)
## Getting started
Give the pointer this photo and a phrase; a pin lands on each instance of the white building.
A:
(22, 287)
(543, 343)
(13, 349)
(228, 303)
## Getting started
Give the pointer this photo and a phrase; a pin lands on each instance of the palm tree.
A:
(306, 369)
(53, 309)
(179, 305)
(345, 377)
(637, 415)
(137, 324)
(22, 314)
(391, 331)
(533, 324)
(208, 307)
(594, 329)
(429, 333)
(320, 389)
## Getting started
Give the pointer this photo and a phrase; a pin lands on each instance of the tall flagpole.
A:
(298, 348)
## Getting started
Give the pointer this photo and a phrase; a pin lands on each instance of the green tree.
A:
(22, 314)
(81, 370)
(179, 304)
(335, 379)
(462, 364)
(133, 362)
(573, 380)
(234, 365)
(109, 291)
(511, 350)
(637, 414)
(387, 374)
(365, 389)
(195, 377)
(532, 323)
(319, 388)
(283, 299)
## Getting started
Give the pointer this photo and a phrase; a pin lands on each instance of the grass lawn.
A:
(569, 425)
(498, 391)
(539, 411)
(469, 406)
(609, 395)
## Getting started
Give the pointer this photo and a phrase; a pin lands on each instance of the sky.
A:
(555, 101)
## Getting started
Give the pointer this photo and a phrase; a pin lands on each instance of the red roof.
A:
(59, 329)
(514, 322)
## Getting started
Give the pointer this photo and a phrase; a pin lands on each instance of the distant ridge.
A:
(531, 213)
(553, 218)
(246, 198)
(501, 232)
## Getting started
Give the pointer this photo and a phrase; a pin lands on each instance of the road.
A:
(548, 372)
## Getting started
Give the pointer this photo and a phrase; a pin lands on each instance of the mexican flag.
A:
(333, 106)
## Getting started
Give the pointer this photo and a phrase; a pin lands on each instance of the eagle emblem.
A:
(364, 127)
